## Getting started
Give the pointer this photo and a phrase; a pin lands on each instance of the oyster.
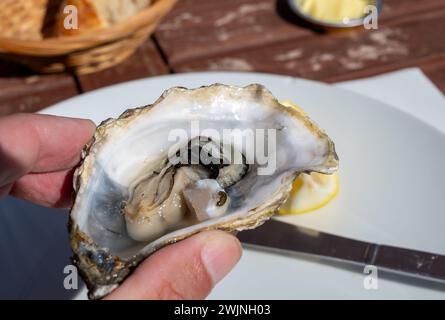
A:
(217, 157)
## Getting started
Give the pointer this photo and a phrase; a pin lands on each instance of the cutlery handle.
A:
(283, 236)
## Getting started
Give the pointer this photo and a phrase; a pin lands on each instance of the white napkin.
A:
(409, 90)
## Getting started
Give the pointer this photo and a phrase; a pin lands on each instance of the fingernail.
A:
(85, 123)
(220, 254)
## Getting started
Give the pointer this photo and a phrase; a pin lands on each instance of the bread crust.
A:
(31, 16)
(89, 18)
(97, 14)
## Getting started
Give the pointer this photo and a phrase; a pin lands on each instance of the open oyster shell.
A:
(137, 189)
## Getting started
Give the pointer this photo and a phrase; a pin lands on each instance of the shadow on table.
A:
(9, 69)
(34, 251)
(284, 11)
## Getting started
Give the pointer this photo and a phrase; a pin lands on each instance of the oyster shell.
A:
(138, 189)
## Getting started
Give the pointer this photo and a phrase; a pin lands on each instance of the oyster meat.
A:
(216, 157)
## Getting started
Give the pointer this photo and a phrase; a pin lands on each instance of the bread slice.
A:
(114, 11)
(22, 19)
(97, 14)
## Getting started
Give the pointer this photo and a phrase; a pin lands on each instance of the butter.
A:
(334, 10)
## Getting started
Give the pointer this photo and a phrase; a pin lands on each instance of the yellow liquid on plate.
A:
(334, 10)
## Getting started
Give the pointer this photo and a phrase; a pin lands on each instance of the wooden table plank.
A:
(398, 43)
(23, 91)
(254, 35)
(204, 28)
(435, 71)
(145, 62)
(393, 9)
(190, 32)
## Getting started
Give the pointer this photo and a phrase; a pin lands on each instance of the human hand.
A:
(37, 157)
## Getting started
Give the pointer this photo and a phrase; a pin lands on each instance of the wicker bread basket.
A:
(82, 54)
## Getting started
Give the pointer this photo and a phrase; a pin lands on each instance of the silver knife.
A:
(289, 238)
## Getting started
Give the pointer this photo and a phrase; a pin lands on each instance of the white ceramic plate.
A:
(392, 177)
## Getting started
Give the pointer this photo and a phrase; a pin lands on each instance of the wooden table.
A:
(253, 35)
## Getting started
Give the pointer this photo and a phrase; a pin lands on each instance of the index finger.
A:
(32, 143)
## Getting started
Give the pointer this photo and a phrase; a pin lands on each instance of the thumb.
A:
(186, 270)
